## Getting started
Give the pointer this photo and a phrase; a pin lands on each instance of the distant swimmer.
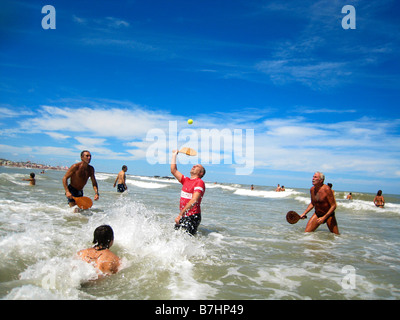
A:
(323, 200)
(121, 179)
(278, 188)
(379, 200)
(192, 193)
(283, 188)
(349, 196)
(32, 180)
(100, 255)
(79, 173)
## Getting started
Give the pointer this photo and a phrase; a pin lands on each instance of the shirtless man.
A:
(349, 196)
(79, 173)
(323, 200)
(100, 255)
(193, 189)
(121, 179)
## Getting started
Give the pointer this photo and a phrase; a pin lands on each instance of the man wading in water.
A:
(193, 189)
(79, 173)
(323, 200)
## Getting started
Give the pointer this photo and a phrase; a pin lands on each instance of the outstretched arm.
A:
(174, 169)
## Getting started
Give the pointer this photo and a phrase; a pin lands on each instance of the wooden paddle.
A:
(83, 202)
(188, 151)
(293, 217)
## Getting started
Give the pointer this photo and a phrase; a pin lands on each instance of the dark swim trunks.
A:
(74, 192)
(121, 188)
(331, 216)
(190, 223)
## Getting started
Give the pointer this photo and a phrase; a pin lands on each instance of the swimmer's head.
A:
(103, 237)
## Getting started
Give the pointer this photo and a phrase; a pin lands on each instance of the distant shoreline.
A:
(30, 165)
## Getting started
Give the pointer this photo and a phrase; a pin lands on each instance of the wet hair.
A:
(103, 236)
(124, 167)
(32, 175)
(379, 193)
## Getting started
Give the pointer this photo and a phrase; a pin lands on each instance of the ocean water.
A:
(244, 249)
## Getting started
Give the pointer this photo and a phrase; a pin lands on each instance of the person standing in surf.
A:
(192, 193)
(323, 200)
(121, 179)
(379, 200)
(79, 173)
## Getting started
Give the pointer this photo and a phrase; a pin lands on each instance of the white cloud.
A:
(37, 150)
(324, 110)
(116, 23)
(123, 124)
(110, 22)
(79, 20)
(57, 135)
(10, 112)
(354, 146)
(316, 75)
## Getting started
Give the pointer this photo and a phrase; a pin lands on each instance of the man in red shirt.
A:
(193, 189)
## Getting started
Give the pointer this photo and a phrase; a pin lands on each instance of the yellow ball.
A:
(190, 121)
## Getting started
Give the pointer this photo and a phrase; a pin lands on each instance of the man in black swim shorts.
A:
(75, 193)
(192, 192)
(79, 173)
(189, 223)
(121, 179)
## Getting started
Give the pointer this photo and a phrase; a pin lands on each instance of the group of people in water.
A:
(189, 217)
(99, 255)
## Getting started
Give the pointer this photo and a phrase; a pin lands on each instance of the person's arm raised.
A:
(174, 169)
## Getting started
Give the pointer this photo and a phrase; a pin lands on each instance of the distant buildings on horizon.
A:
(30, 165)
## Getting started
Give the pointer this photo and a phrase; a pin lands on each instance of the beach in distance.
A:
(244, 248)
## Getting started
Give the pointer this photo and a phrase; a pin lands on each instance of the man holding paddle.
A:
(193, 189)
(79, 173)
(323, 200)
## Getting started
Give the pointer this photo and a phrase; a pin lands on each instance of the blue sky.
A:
(317, 96)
